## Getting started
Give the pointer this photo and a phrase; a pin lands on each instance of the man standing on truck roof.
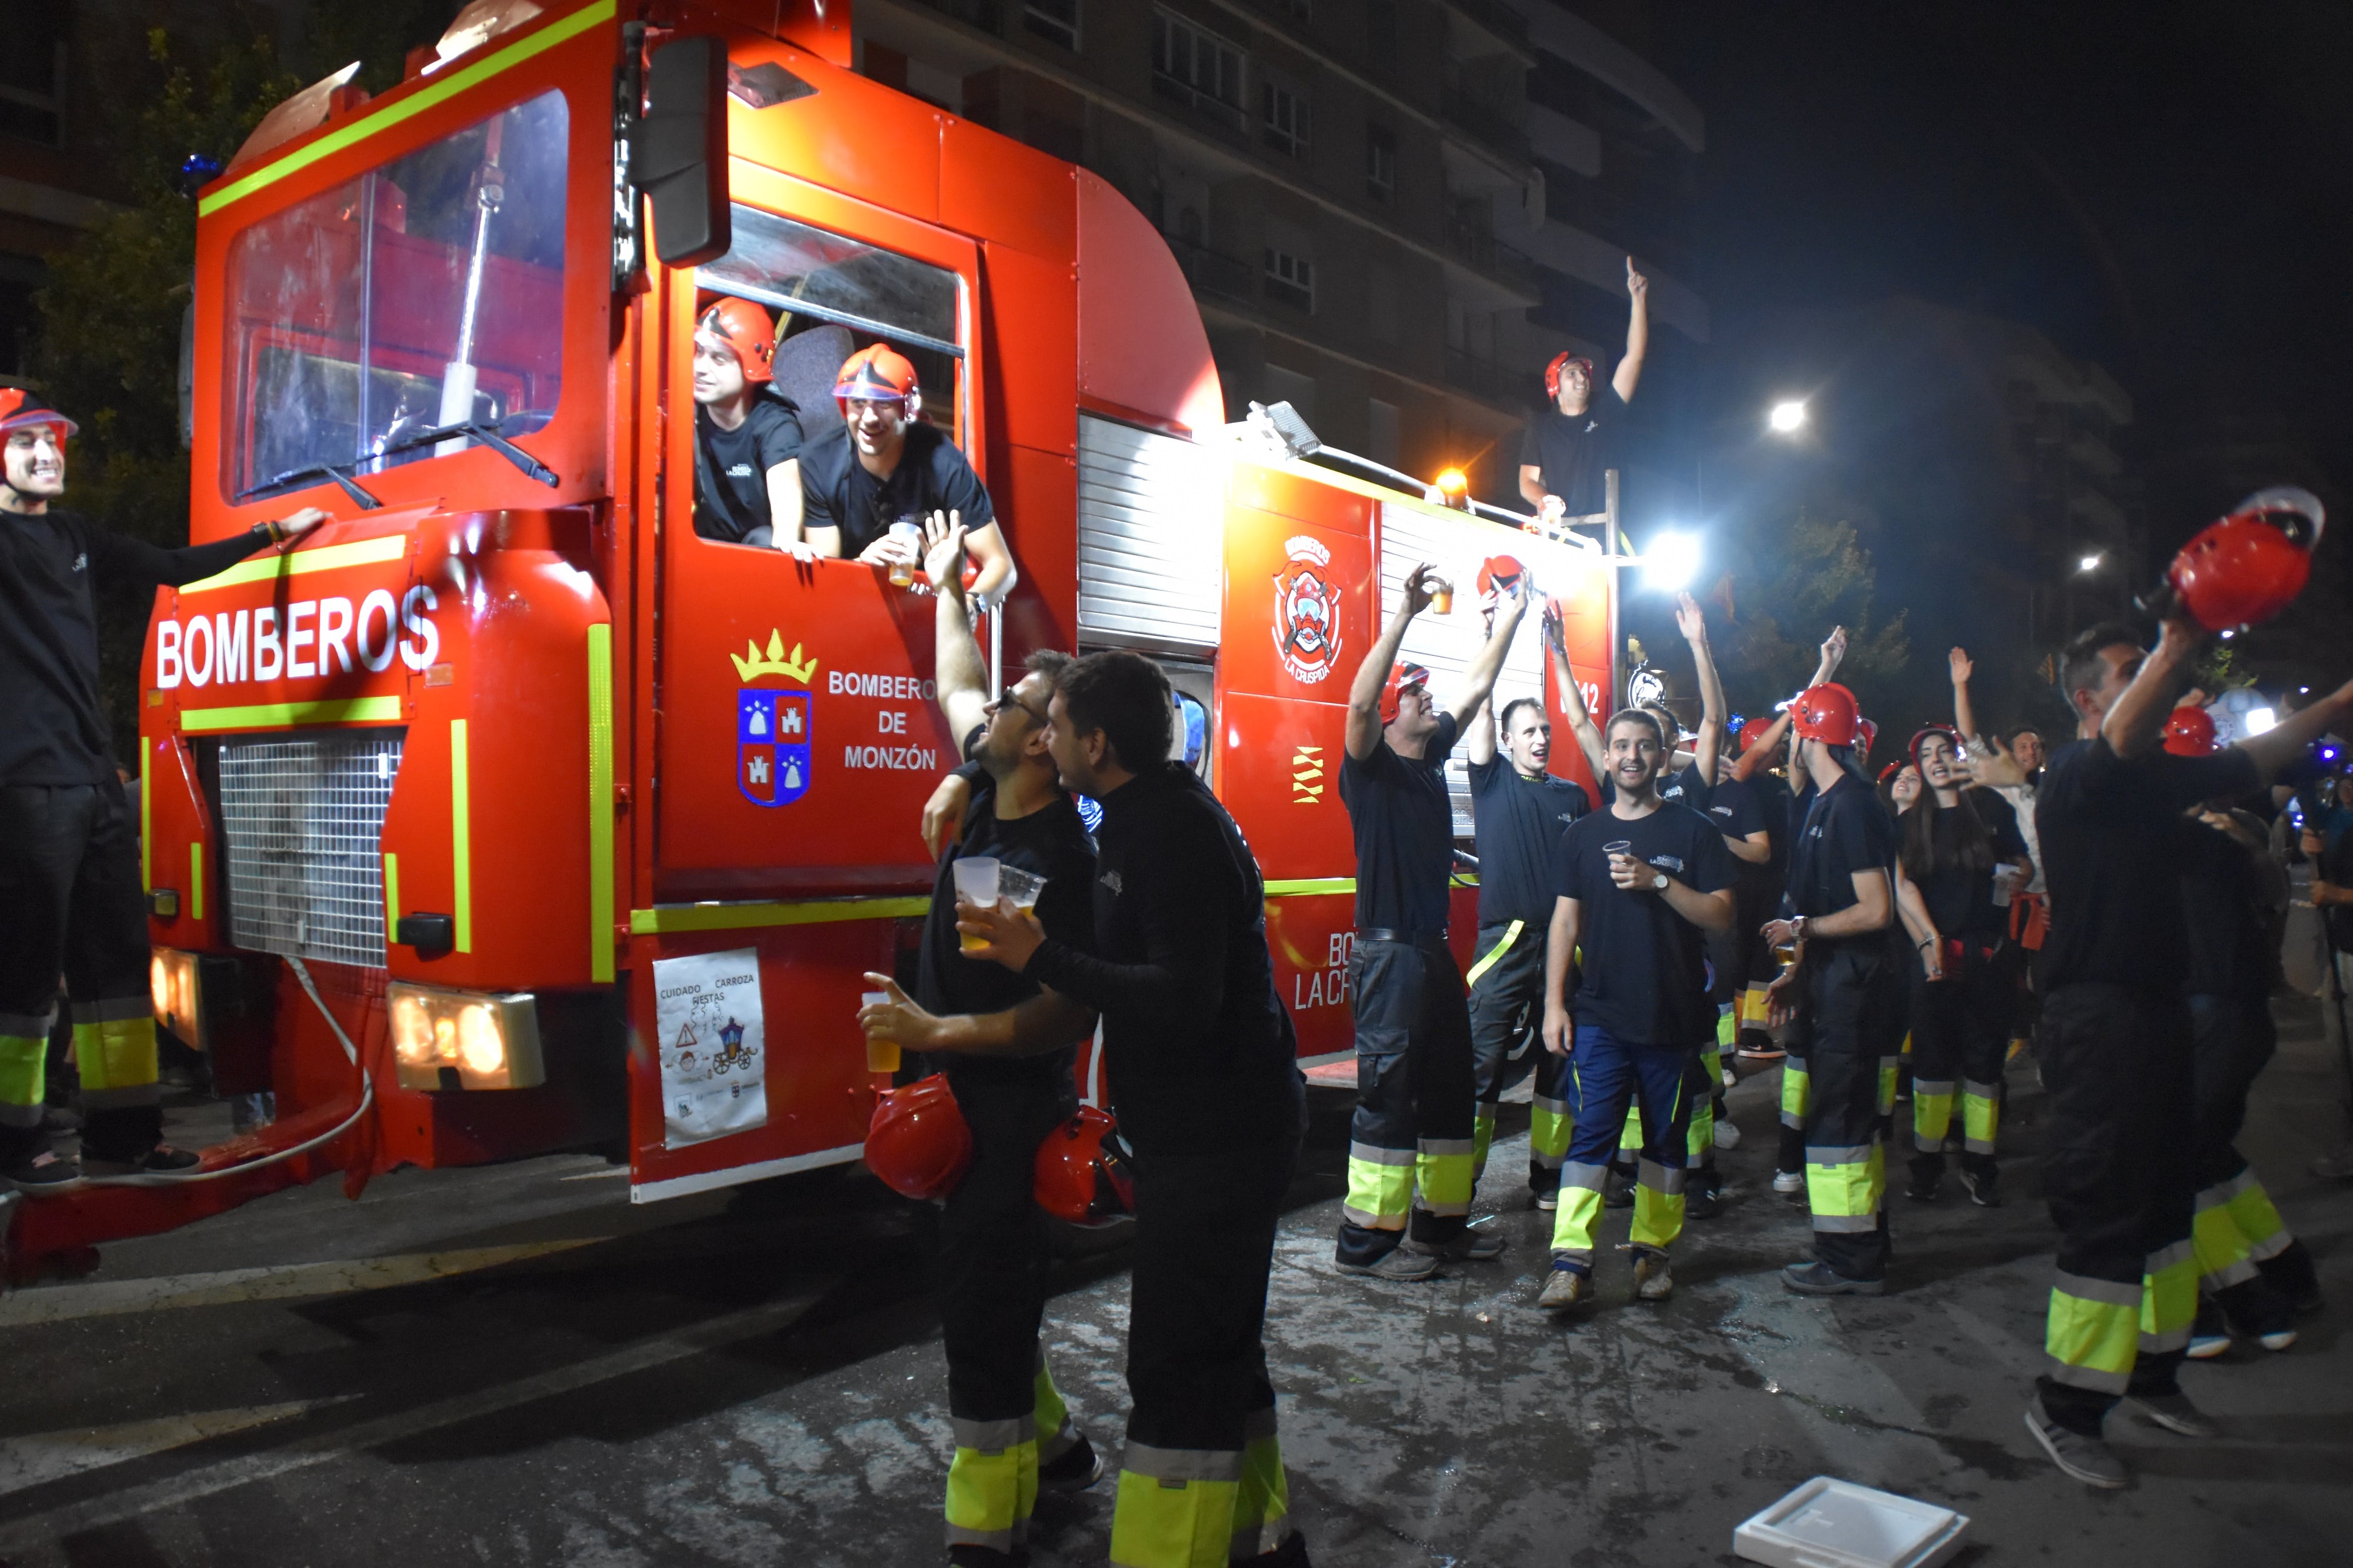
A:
(1415, 1120)
(1201, 1054)
(884, 468)
(747, 436)
(1566, 453)
(1014, 1436)
(70, 900)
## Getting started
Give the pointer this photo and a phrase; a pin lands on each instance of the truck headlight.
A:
(464, 1040)
(176, 987)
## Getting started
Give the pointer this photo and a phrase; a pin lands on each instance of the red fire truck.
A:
(508, 815)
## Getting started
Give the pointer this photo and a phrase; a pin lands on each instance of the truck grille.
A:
(303, 818)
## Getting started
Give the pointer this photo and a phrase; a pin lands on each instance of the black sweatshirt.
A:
(1200, 1051)
(54, 731)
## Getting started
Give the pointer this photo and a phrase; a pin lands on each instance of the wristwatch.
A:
(1658, 882)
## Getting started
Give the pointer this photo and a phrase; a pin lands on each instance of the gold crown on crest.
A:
(774, 662)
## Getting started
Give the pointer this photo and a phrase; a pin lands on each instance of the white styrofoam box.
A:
(1827, 1523)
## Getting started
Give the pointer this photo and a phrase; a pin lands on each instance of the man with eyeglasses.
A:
(992, 1249)
(884, 468)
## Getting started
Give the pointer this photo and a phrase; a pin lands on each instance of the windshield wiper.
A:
(341, 475)
(487, 436)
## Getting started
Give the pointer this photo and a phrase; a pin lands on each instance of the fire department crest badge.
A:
(1306, 611)
(772, 745)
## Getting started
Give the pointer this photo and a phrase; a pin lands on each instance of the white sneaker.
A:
(1787, 1182)
(1727, 1136)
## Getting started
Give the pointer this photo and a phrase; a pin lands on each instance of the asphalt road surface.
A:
(514, 1365)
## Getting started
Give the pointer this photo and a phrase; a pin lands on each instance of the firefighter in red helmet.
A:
(871, 484)
(1842, 991)
(70, 901)
(747, 435)
(1566, 449)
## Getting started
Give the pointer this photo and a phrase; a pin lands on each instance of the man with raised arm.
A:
(1567, 448)
(1410, 1148)
(1013, 1435)
(2116, 1042)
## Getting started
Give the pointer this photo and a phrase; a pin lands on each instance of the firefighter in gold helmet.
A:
(871, 483)
(70, 901)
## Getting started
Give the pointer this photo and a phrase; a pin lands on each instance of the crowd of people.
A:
(2110, 903)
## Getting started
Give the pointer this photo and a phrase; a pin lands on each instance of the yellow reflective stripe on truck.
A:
(437, 90)
(600, 803)
(461, 846)
(294, 563)
(278, 715)
(665, 919)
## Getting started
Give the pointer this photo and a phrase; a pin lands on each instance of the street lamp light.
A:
(1671, 562)
(1787, 418)
(2090, 562)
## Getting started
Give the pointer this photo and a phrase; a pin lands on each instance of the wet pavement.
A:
(513, 1365)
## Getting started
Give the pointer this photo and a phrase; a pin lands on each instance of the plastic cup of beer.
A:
(1441, 598)
(976, 883)
(1785, 953)
(911, 533)
(1019, 888)
(881, 1056)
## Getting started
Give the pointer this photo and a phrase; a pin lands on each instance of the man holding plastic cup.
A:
(869, 483)
(1018, 835)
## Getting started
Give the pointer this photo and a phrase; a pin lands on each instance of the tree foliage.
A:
(1786, 586)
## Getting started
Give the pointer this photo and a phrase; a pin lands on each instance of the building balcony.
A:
(1484, 124)
(1184, 95)
(1211, 273)
(1504, 23)
(988, 15)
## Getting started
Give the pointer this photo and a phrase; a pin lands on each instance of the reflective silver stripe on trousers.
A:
(1438, 1147)
(1659, 1178)
(115, 1099)
(19, 1115)
(993, 1436)
(1373, 1155)
(1556, 1106)
(1846, 1224)
(1853, 1154)
(114, 1009)
(2083, 1288)
(2168, 1256)
(2098, 1381)
(1921, 1085)
(1576, 1175)
(1177, 1466)
(28, 1026)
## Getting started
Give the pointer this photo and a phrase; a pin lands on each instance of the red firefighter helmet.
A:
(1406, 673)
(2249, 566)
(1498, 575)
(744, 327)
(1083, 1176)
(1560, 363)
(1866, 734)
(2189, 733)
(875, 374)
(1952, 738)
(20, 409)
(1826, 713)
(918, 1143)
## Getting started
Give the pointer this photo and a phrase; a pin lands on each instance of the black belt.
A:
(1406, 938)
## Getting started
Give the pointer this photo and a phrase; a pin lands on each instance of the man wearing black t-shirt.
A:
(1012, 1432)
(1203, 1059)
(1521, 813)
(1567, 448)
(1638, 883)
(72, 904)
(883, 467)
(1414, 1123)
(747, 436)
(1845, 993)
(2116, 1044)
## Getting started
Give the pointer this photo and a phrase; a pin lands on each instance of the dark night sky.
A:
(2164, 188)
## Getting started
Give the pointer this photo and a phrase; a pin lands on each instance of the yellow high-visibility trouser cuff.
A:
(2251, 1210)
(1797, 1092)
(1550, 1124)
(1932, 1113)
(1727, 1028)
(1380, 1187)
(1262, 1501)
(992, 1483)
(1887, 1067)
(1701, 1136)
(1980, 1116)
(1179, 1512)
(23, 1079)
(1630, 1138)
(2222, 1256)
(2093, 1333)
(114, 1046)
(1658, 1205)
(1483, 1138)
(2168, 1300)
(1580, 1213)
(1844, 1187)
(1049, 1417)
(1443, 1168)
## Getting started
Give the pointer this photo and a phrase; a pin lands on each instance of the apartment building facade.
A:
(1392, 212)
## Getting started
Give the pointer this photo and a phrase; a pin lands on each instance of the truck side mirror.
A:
(680, 159)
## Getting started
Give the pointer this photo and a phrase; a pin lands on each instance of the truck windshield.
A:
(424, 293)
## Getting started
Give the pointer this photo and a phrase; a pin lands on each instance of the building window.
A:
(1289, 120)
(1290, 279)
(1056, 20)
(1380, 162)
(33, 75)
(1197, 68)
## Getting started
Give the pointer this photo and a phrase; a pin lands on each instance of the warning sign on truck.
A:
(713, 1045)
